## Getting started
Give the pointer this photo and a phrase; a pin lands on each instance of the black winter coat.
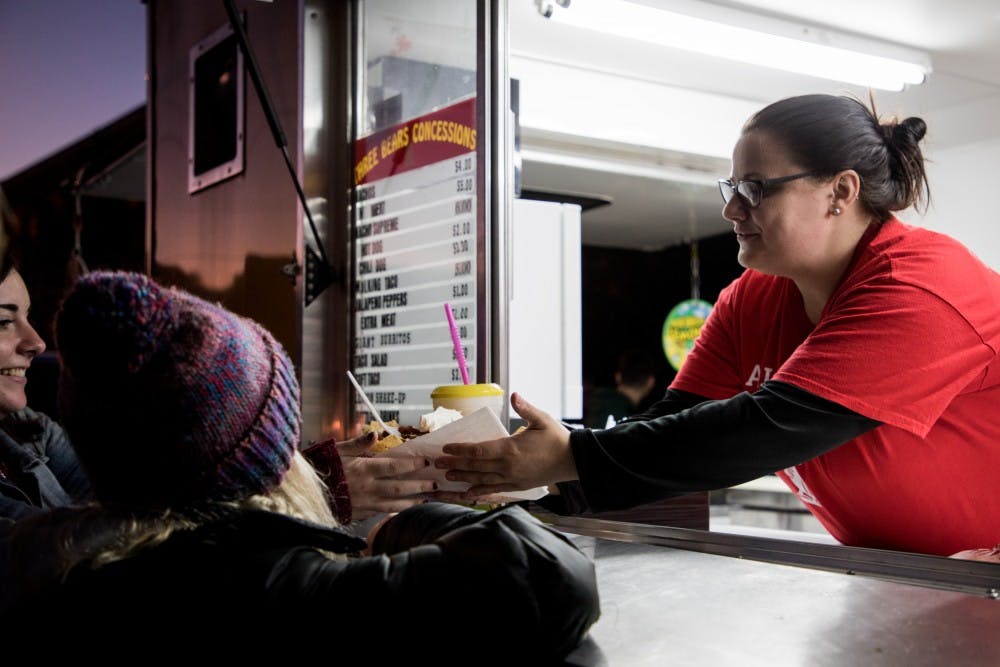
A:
(446, 585)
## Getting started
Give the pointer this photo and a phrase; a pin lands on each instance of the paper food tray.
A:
(482, 424)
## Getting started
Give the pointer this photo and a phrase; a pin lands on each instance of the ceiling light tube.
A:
(601, 105)
(753, 39)
(657, 172)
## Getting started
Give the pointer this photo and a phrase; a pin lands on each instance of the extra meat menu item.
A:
(482, 424)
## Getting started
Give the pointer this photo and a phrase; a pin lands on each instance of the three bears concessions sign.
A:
(415, 245)
(681, 328)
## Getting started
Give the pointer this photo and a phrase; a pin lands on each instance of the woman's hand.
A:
(990, 555)
(374, 483)
(540, 455)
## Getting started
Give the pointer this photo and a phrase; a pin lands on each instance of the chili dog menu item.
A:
(415, 247)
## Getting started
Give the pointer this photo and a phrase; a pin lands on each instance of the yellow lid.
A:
(467, 390)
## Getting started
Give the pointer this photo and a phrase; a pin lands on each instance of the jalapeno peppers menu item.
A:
(415, 243)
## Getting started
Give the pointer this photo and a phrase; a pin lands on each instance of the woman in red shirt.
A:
(856, 356)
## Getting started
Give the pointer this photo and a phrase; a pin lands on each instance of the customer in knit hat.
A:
(212, 530)
(218, 388)
(223, 396)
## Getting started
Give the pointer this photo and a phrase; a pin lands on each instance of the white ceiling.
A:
(662, 197)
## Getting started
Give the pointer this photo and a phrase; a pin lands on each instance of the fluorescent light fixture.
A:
(750, 38)
(566, 99)
(653, 172)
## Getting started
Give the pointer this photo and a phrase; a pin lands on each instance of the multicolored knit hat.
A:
(171, 401)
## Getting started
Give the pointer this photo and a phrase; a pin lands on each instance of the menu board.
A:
(415, 246)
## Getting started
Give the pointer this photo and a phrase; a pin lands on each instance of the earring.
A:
(835, 210)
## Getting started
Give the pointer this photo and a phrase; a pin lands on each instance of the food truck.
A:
(348, 173)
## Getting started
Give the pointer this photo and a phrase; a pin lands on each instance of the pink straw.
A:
(457, 342)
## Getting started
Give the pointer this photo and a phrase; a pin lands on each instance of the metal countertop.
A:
(663, 605)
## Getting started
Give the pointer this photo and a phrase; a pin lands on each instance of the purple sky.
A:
(67, 67)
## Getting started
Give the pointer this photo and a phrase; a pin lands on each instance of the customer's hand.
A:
(539, 455)
(373, 482)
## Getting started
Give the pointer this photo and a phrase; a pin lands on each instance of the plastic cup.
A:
(467, 398)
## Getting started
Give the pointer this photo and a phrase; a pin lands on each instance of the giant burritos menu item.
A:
(482, 424)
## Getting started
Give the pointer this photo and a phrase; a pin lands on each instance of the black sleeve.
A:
(675, 448)
(673, 401)
(453, 581)
(571, 499)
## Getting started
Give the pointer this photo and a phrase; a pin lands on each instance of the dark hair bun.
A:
(905, 132)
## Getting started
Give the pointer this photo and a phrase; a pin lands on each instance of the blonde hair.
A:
(301, 494)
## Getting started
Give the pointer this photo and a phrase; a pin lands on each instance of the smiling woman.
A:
(38, 468)
(19, 343)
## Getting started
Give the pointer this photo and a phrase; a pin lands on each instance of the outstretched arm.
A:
(711, 445)
(537, 456)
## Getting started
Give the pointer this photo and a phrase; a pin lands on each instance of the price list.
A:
(415, 250)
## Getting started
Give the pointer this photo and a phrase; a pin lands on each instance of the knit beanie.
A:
(171, 401)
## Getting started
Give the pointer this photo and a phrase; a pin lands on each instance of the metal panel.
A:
(231, 242)
(497, 167)
(328, 39)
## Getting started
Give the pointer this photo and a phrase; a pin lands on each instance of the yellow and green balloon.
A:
(681, 328)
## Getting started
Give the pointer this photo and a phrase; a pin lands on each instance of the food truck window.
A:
(215, 141)
(418, 221)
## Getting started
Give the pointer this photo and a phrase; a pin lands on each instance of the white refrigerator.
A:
(545, 339)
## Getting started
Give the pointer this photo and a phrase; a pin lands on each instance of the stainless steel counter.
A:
(663, 605)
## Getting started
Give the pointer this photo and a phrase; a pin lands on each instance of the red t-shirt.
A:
(909, 338)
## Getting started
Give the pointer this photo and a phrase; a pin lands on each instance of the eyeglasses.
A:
(752, 191)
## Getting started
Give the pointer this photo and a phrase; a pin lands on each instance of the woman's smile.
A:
(743, 235)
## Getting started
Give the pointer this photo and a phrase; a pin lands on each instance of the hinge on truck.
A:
(319, 275)
(291, 270)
